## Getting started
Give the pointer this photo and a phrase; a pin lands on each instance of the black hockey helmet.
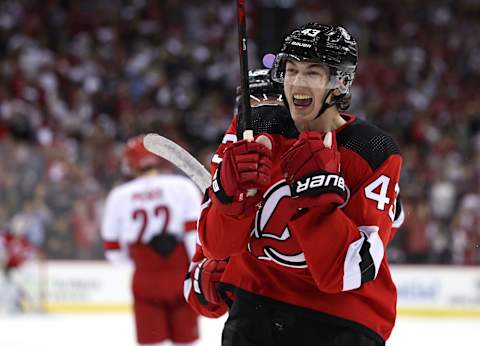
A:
(333, 46)
(273, 118)
(261, 87)
(260, 82)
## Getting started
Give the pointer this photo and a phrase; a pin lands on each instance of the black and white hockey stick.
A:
(178, 156)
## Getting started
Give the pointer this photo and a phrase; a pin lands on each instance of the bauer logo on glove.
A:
(320, 182)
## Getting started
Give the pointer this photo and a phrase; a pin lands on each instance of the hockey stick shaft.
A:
(244, 87)
(243, 57)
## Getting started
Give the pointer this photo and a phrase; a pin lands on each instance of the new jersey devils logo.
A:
(271, 239)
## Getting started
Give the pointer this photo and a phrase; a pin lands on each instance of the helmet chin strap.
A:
(325, 104)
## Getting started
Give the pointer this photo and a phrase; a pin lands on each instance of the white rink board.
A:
(438, 290)
(422, 290)
(87, 286)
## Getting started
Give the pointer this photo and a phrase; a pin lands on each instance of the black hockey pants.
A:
(253, 323)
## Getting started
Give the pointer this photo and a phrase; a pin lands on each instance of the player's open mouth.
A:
(302, 100)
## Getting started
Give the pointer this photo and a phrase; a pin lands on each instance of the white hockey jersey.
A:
(138, 210)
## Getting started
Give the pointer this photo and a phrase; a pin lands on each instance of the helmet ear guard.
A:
(343, 101)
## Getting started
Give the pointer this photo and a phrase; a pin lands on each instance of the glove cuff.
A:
(239, 206)
(218, 190)
(197, 279)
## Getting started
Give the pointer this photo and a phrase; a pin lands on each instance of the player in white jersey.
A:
(151, 222)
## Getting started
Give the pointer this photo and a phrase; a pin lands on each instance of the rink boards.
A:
(96, 286)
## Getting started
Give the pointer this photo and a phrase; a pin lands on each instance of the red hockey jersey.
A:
(334, 264)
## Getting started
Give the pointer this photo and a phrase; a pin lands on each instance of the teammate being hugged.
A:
(151, 222)
(269, 115)
(307, 252)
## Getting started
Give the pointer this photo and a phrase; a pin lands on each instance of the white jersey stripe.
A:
(352, 277)
(399, 219)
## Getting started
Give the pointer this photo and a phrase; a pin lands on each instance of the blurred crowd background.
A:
(77, 78)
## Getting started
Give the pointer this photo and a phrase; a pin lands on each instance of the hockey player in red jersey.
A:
(151, 222)
(16, 249)
(202, 283)
(204, 277)
(15, 252)
(307, 253)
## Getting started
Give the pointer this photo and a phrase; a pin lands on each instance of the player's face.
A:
(305, 88)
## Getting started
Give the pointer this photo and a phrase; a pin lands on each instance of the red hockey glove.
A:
(245, 166)
(312, 167)
(206, 276)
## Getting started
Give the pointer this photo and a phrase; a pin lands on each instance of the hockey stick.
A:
(181, 158)
(178, 156)
(243, 57)
(244, 87)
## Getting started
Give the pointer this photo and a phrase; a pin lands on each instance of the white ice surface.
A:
(117, 329)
